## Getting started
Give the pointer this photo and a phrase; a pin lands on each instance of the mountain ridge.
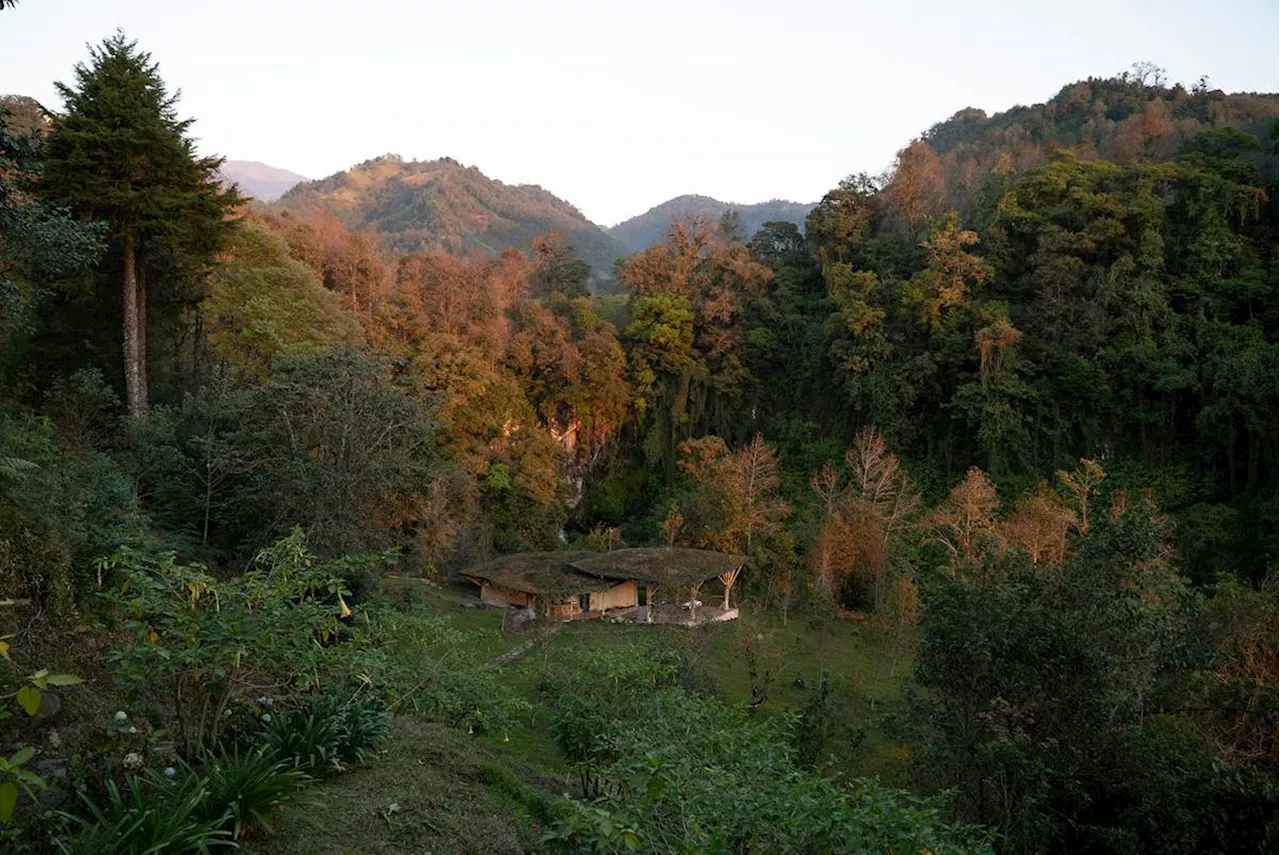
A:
(262, 181)
(442, 205)
(641, 231)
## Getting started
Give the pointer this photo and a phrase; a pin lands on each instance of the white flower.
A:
(268, 701)
(169, 771)
(133, 730)
(266, 718)
(122, 716)
(226, 712)
(133, 760)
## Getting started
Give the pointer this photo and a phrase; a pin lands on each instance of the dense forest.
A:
(1012, 404)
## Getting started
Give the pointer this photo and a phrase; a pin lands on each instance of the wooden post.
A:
(648, 602)
(693, 601)
(729, 578)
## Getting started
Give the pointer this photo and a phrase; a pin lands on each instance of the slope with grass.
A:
(439, 789)
(435, 790)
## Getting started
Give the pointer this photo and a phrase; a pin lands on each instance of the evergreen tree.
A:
(119, 153)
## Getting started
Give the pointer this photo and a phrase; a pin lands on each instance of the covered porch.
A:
(675, 585)
(671, 615)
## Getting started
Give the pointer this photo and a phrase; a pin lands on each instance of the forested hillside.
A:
(1134, 117)
(642, 231)
(996, 431)
(443, 206)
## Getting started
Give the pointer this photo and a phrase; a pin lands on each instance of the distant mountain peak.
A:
(263, 182)
(442, 205)
(641, 232)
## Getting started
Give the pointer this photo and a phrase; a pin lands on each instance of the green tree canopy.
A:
(119, 153)
(262, 303)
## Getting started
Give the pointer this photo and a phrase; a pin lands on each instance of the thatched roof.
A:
(562, 574)
(659, 565)
(547, 574)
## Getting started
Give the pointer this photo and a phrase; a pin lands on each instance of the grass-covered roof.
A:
(547, 574)
(567, 573)
(659, 565)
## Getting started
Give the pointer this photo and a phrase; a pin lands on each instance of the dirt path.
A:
(523, 647)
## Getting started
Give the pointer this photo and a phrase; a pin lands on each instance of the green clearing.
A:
(435, 791)
(459, 793)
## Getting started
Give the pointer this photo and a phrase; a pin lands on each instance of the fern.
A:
(16, 469)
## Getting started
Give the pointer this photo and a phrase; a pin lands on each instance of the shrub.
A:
(203, 638)
(476, 700)
(58, 509)
(244, 790)
(306, 739)
(827, 722)
(367, 728)
(333, 732)
(146, 818)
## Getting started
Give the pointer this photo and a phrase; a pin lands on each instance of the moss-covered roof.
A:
(562, 574)
(659, 565)
(547, 574)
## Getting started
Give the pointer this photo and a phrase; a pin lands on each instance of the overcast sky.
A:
(618, 107)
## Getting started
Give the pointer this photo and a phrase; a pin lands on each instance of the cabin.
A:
(647, 585)
(547, 584)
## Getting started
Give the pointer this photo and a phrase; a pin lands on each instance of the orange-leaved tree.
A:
(866, 511)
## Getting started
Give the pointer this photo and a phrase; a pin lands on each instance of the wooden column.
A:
(693, 601)
(729, 578)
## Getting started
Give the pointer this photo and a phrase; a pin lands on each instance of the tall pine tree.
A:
(120, 154)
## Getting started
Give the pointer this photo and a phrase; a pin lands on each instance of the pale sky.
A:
(618, 107)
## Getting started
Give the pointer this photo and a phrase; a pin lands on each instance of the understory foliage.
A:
(672, 771)
(202, 641)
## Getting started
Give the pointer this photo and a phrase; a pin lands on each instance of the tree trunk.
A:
(141, 275)
(135, 396)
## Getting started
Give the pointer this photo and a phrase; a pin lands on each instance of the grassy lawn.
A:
(435, 791)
